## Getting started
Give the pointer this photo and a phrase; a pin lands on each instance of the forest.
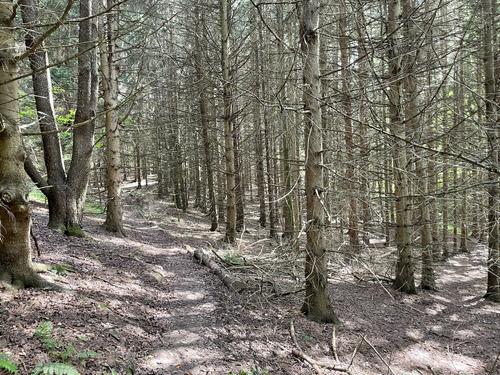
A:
(249, 187)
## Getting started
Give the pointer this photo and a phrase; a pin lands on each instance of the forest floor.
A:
(141, 305)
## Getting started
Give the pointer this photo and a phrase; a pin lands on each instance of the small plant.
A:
(54, 369)
(67, 354)
(85, 355)
(44, 334)
(62, 269)
(74, 231)
(234, 260)
(63, 355)
(7, 365)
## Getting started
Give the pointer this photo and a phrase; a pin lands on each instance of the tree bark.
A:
(492, 125)
(317, 305)
(405, 279)
(55, 185)
(204, 119)
(348, 133)
(83, 133)
(258, 126)
(228, 126)
(15, 215)
(114, 214)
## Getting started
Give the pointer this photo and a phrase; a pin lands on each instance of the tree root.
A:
(28, 279)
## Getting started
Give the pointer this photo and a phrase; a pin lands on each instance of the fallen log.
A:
(227, 279)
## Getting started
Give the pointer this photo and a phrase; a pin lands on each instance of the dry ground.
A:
(145, 307)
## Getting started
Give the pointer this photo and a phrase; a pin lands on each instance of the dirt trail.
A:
(143, 305)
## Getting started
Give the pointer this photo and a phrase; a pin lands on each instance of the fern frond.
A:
(44, 334)
(55, 369)
(6, 364)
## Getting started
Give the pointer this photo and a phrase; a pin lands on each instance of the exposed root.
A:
(28, 279)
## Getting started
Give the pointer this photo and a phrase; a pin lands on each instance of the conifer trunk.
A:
(317, 305)
(114, 214)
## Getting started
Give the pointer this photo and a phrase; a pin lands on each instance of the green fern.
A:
(6, 364)
(55, 369)
(44, 334)
(87, 354)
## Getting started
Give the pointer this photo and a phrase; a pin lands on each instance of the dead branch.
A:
(378, 355)
(289, 293)
(225, 276)
(298, 352)
(334, 344)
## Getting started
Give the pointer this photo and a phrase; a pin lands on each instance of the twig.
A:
(354, 353)
(378, 355)
(218, 256)
(107, 281)
(334, 344)
(289, 293)
(298, 352)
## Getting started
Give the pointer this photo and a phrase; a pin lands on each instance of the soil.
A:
(145, 307)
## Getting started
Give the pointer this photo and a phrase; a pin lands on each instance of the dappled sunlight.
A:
(415, 334)
(189, 295)
(435, 309)
(438, 359)
(179, 358)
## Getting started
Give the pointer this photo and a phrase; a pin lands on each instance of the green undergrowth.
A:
(233, 259)
(7, 365)
(91, 206)
(62, 269)
(74, 231)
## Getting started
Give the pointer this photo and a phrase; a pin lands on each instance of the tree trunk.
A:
(54, 188)
(492, 126)
(416, 127)
(317, 305)
(228, 126)
(405, 279)
(204, 119)
(15, 215)
(83, 134)
(114, 214)
(348, 133)
(258, 127)
(238, 180)
(287, 191)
